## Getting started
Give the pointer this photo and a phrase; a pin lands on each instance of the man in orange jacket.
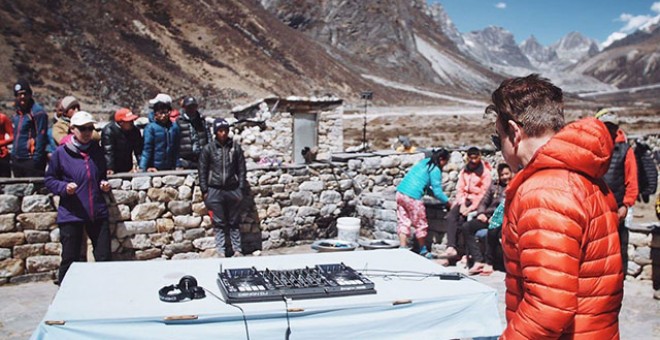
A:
(559, 236)
(621, 177)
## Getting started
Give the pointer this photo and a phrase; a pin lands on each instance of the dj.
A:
(222, 179)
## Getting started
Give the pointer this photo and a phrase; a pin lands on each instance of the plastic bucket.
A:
(348, 229)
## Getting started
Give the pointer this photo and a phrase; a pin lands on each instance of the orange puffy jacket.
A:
(561, 246)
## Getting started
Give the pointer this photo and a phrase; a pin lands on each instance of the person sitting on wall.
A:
(491, 200)
(410, 208)
(194, 133)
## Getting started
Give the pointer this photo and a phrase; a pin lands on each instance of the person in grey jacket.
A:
(222, 179)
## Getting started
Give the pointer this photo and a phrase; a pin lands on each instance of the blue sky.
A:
(549, 20)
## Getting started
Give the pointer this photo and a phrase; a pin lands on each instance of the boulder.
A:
(24, 251)
(147, 211)
(173, 181)
(125, 197)
(141, 183)
(9, 240)
(36, 203)
(148, 254)
(37, 236)
(187, 221)
(164, 195)
(11, 267)
(180, 207)
(7, 223)
(52, 248)
(9, 204)
(204, 243)
(43, 263)
(38, 221)
(129, 228)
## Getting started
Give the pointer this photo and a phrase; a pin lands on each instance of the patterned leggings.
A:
(410, 212)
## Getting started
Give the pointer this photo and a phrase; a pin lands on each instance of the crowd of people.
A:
(75, 159)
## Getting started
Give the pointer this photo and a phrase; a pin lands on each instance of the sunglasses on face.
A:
(165, 112)
(85, 128)
(497, 141)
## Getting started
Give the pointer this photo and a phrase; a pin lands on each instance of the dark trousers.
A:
(71, 235)
(454, 222)
(494, 255)
(469, 230)
(5, 167)
(623, 238)
(26, 168)
(225, 206)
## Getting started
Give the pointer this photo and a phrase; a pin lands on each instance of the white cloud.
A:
(633, 22)
(656, 7)
(502, 5)
(612, 38)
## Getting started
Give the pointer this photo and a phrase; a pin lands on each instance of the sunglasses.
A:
(163, 112)
(85, 128)
(497, 141)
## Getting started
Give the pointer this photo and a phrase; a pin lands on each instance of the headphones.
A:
(187, 287)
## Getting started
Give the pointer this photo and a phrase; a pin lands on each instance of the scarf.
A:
(77, 147)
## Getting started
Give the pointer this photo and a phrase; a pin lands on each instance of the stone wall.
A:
(162, 216)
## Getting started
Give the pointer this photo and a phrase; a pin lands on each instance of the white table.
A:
(119, 300)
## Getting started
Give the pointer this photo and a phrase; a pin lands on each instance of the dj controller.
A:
(326, 280)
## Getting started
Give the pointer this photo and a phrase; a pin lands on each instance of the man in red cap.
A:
(121, 140)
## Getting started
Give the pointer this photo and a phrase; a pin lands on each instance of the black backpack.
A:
(647, 172)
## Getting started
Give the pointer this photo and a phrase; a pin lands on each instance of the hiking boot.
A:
(426, 253)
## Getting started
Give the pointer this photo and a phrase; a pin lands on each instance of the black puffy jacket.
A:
(222, 167)
(194, 136)
(119, 146)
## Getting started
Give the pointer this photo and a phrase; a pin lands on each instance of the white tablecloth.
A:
(119, 300)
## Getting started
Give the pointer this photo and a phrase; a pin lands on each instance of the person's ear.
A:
(516, 134)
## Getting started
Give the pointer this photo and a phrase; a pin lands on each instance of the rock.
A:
(209, 253)
(185, 193)
(291, 211)
(199, 209)
(192, 234)
(370, 200)
(330, 197)
(308, 211)
(52, 248)
(190, 181)
(267, 179)
(197, 195)
(125, 197)
(328, 209)
(313, 186)
(371, 163)
(280, 222)
(11, 267)
(36, 203)
(302, 198)
(389, 205)
(186, 256)
(160, 239)
(5, 253)
(390, 162)
(55, 235)
(180, 207)
(164, 195)
(36, 236)
(148, 254)
(139, 241)
(354, 164)
(206, 222)
(285, 179)
(126, 185)
(177, 236)
(43, 263)
(18, 189)
(129, 228)
(642, 255)
(204, 243)
(156, 182)
(274, 210)
(38, 221)
(147, 211)
(646, 274)
(114, 246)
(365, 211)
(9, 204)
(633, 268)
(141, 183)
(187, 221)
(35, 277)
(7, 223)
(173, 181)
(164, 225)
(639, 239)
(9, 240)
(119, 213)
(387, 215)
(386, 226)
(115, 183)
(24, 251)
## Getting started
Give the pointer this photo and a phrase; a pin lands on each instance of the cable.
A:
(247, 331)
(409, 274)
(288, 324)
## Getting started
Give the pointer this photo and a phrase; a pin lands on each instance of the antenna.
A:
(367, 96)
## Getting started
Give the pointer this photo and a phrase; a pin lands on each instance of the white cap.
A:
(81, 118)
(161, 98)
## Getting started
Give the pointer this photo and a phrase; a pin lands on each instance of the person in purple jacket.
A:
(77, 173)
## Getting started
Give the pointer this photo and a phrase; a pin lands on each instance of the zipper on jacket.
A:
(18, 132)
(224, 167)
(89, 186)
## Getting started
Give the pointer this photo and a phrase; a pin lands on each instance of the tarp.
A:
(119, 300)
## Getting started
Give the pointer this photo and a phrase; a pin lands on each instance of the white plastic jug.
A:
(348, 229)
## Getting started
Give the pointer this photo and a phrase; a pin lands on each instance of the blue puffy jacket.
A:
(33, 124)
(86, 170)
(161, 146)
(420, 177)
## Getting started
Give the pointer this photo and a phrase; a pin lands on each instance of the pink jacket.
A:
(472, 186)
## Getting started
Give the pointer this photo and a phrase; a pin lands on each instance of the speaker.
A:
(186, 289)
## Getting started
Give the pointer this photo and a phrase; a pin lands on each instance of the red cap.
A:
(125, 115)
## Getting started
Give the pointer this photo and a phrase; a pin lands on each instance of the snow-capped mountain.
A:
(537, 54)
(574, 47)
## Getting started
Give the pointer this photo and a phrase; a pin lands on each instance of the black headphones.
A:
(187, 287)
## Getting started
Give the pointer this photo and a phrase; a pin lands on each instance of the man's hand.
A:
(110, 172)
(71, 188)
(623, 211)
(105, 186)
(152, 170)
(482, 218)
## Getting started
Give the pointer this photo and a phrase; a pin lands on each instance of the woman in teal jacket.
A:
(410, 208)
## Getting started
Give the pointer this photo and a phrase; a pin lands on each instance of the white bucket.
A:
(348, 229)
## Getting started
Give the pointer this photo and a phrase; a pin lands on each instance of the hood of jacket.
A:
(584, 146)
